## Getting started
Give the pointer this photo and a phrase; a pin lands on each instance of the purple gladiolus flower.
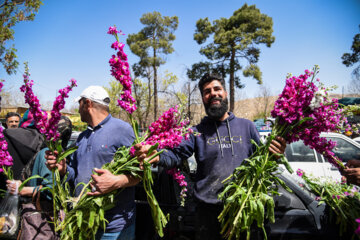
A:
(309, 111)
(300, 172)
(46, 126)
(6, 160)
(121, 72)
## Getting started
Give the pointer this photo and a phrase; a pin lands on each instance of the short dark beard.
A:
(215, 111)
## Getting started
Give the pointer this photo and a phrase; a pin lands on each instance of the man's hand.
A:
(352, 172)
(51, 162)
(277, 146)
(106, 182)
(141, 152)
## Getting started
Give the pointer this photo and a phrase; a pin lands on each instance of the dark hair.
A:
(209, 77)
(65, 130)
(12, 114)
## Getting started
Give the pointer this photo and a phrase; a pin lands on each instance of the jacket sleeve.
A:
(171, 158)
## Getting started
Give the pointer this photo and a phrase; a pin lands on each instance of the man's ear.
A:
(88, 103)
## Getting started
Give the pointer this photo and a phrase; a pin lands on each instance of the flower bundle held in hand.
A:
(48, 127)
(168, 132)
(6, 161)
(87, 214)
(343, 200)
(302, 111)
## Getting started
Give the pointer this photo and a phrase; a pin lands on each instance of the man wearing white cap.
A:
(97, 146)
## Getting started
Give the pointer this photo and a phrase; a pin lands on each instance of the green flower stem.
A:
(53, 197)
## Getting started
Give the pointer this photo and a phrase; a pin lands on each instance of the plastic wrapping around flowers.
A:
(302, 111)
(9, 217)
(87, 213)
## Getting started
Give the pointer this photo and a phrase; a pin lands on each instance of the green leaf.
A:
(58, 146)
(98, 201)
(22, 185)
(69, 151)
(79, 217)
(260, 213)
(270, 209)
(152, 148)
(91, 218)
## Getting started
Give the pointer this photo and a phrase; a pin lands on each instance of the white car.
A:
(357, 139)
(301, 156)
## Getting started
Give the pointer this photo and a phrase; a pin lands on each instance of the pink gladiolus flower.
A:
(114, 31)
(180, 179)
(121, 72)
(300, 172)
(168, 132)
(45, 126)
(301, 101)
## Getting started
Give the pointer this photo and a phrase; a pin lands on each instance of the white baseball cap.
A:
(95, 93)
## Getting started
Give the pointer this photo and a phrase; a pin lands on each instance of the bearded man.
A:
(223, 144)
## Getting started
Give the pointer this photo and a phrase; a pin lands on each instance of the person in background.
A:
(23, 144)
(37, 215)
(97, 146)
(223, 144)
(12, 120)
(38, 165)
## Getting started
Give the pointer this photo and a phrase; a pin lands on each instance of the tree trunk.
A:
(149, 99)
(189, 101)
(232, 79)
(155, 88)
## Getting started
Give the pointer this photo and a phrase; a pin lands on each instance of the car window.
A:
(298, 152)
(345, 150)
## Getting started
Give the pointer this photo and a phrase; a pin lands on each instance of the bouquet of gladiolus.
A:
(87, 214)
(48, 127)
(302, 111)
(343, 200)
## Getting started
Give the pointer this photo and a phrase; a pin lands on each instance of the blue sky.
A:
(68, 40)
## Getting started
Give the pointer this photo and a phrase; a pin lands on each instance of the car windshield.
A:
(344, 149)
(298, 152)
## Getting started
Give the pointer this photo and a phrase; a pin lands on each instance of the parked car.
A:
(357, 139)
(312, 162)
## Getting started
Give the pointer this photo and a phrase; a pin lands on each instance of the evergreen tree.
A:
(234, 38)
(152, 43)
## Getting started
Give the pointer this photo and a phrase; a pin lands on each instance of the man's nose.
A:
(213, 92)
